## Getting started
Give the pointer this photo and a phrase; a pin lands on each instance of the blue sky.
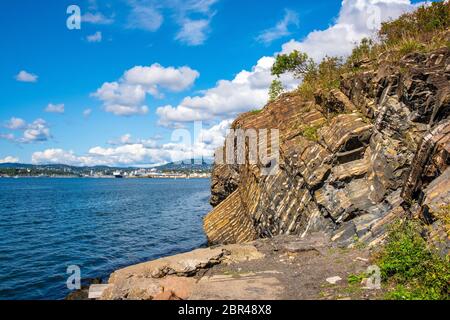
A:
(114, 91)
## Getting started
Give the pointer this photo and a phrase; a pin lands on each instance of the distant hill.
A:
(185, 165)
(188, 165)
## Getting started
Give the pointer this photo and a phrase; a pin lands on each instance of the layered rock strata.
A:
(350, 161)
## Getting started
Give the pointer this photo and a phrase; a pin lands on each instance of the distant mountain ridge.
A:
(185, 165)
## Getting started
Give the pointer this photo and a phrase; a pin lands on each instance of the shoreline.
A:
(106, 177)
(265, 269)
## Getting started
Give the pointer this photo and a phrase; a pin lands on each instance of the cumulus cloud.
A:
(96, 37)
(357, 19)
(24, 76)
(248, 90)
(126, 96)
(281, 29)
(37, 131)
(55, 108)
(154, 76)
(128, 151)
(124, 155)
(9, 159)
(15, 124)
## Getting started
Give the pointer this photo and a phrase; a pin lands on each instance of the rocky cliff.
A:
(351, 160)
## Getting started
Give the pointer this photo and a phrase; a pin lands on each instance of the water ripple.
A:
(100, 225)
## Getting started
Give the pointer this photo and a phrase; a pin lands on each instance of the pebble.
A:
(334, 280)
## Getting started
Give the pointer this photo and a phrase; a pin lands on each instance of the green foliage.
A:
(356, 278)
(363, 51)
(310, 133)
(409, 45)
(255, 111)
(419, 31)
(419, 24)
(443, 214)
(296, 62)
(417, 271)
(276, 88)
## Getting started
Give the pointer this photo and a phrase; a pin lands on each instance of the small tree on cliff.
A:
(296, 62)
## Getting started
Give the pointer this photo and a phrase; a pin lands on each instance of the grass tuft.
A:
(416, 271)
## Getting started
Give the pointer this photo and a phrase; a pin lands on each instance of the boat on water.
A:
(118, 174)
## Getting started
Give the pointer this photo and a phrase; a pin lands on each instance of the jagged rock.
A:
(334, 101)
(349, 175)
(225, 180)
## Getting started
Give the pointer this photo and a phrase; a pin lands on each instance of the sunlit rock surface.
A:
(351, 160)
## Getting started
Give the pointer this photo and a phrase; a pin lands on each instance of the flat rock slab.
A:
(172, 276)
(182, 264)
(251, 286)
(96, 290)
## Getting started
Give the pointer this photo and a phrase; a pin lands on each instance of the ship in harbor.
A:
(118, 174)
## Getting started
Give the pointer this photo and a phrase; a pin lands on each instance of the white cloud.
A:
(192, 16)
(126, 96)
(357, 19)
(194, 32)
(126, 151)
(96, 18)
(37, 131)
(125, 155)
(9, 159)
(15, 124)
(145, 17)
(281, 29)
(55, 108)
(154, 76)
(214, 137)
(128, 139)
(96, 37)
(247, 91)
(87, 113)
(24, 76)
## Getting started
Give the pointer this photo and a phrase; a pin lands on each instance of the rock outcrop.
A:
(351, 161)
(284, 267)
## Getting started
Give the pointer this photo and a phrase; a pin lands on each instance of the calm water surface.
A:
(100, 225)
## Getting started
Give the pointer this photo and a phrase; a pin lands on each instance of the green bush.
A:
(276, 88)
(417, 272)
(410, 45)
(311, 133)
(420, 24)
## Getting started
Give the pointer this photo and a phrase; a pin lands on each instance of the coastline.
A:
(284, 267)
(105, 177)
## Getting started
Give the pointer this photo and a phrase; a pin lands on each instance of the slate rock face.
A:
(348, 175)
